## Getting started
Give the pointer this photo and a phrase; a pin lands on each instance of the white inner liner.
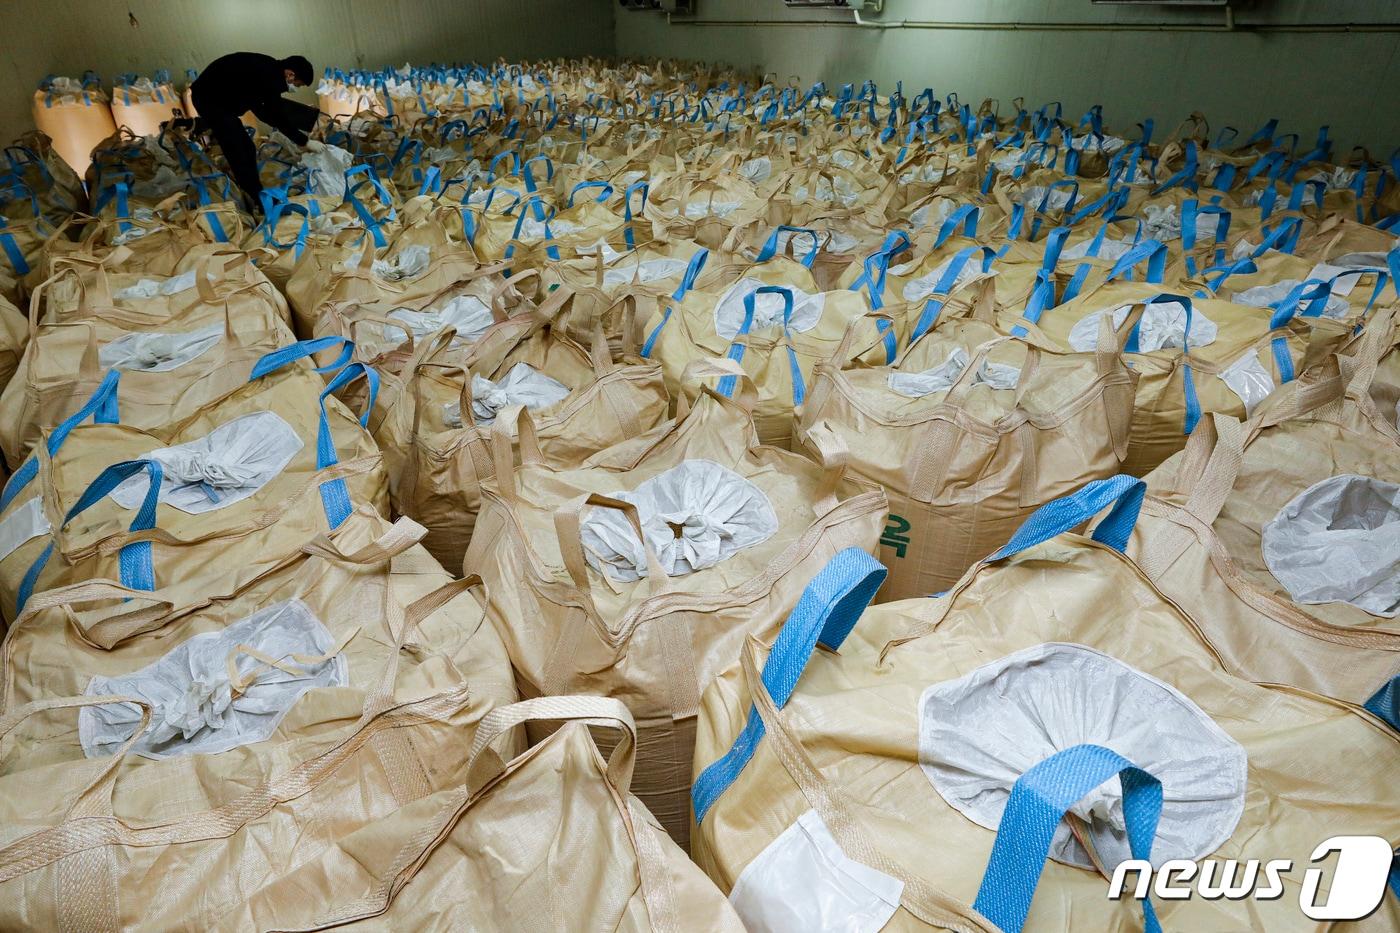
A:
(25, 523)
(940, 378)
(1110, 249)
(468, 314)
(227, 465)
(1267, 296)
(927, 284)
(522, 385)
(156, 352)
(195, 711)
(1248, 379)
(767, 309)
(644, 271)
(717, 512)
(1339, 541)
(803, 881)
(756, 170)
(1163, 327)
(979, 733)
(706, 208)
(328, 165)
(1033, 197)
(150, 288)
(1161, 222)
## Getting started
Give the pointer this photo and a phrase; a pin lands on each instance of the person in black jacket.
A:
(235, 84)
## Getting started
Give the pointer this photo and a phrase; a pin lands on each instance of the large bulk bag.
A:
(276, 460)
(969, 432)
(14, 335)
(1194, 356)
(170, 366)
(75, 115)
(214, 829)
(572, 587)
(40, 166)
(437, 427)
(141, 105)
(551, 839)
(1051, 669)
(307, 615)
(1280, 534)
(776, 325)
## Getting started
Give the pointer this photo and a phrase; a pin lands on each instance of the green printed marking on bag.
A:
(894, 535)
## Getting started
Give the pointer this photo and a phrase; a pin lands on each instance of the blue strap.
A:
(101, 407)
(1039, 800)
(1153, 251)
(727, 384)
(1125, 493)
(628, 212)
(134, 559)
(335, 497)
(271, 362)
(1386, 703)
(945, 284)
(692, 272)
(968, 215)
(605, 190)
(827, 611)
(770, 246)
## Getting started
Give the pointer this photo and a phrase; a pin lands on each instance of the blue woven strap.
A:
(1386, 703)
(101, 407)
(967, 215)
(1154, 252)
(827, 611)
(945, 284)
(770, 246)
(628, 212)
(134, 559)
(692, 272)
(302, 349)
(1125, 493)
(335, 496)
(1039, 800)
(605, 190)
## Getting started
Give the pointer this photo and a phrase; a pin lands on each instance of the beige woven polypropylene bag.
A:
(261, 448)
(358, 583)
(572, 629)
(552, 839)
(1176, 387)
(438, 453)
(847, 750)
(1200, 536)
(126, 843)
(965, 462)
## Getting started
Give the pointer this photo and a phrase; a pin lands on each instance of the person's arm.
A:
(289, 116)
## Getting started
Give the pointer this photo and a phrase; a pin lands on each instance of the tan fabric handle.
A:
(381, 697)
(834, 457)
(745, 396)
(842, 356)
(503, 448)
(568, 519)
(484, 764)
(400, 536)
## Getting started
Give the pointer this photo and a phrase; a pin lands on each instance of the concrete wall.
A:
(70, 36)
(1239, 78)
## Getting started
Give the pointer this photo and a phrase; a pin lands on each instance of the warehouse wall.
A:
(1239, 78)
(70, 36)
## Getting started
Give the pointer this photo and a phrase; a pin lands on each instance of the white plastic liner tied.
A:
(643, 271)
(932, 213)
(1339, 541)
(694, 515)
(1053, 199)
(697, 209)
(1269, 296)
(1163, 326)
(928, 283)
(941, 377)
(328, 165)
(141, 214)
(227, 465)
(156, 352)
(532, 228)
(522, 385)
(1248, 379)
(1110, 249)
(767, 309)
(982, 731)
(804, 881)
(757, 170)
(150, 288)
(197, 707)
(411, 262)
(467, 314)
(1162, 222)
(25, 523)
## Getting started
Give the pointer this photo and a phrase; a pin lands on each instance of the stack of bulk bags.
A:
(1194, 356)
(83, 841)
(76, 115)
(173, 352)
(211, 499)
(550, 839)
(1054, 681)
(141, 105)
(638, 577)
(773, 322)
(456, 388)
(969, 432)
(1280, 535)
(339, 98)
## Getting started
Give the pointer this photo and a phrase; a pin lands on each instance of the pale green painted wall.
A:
(40, 37)
(1306, 79)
